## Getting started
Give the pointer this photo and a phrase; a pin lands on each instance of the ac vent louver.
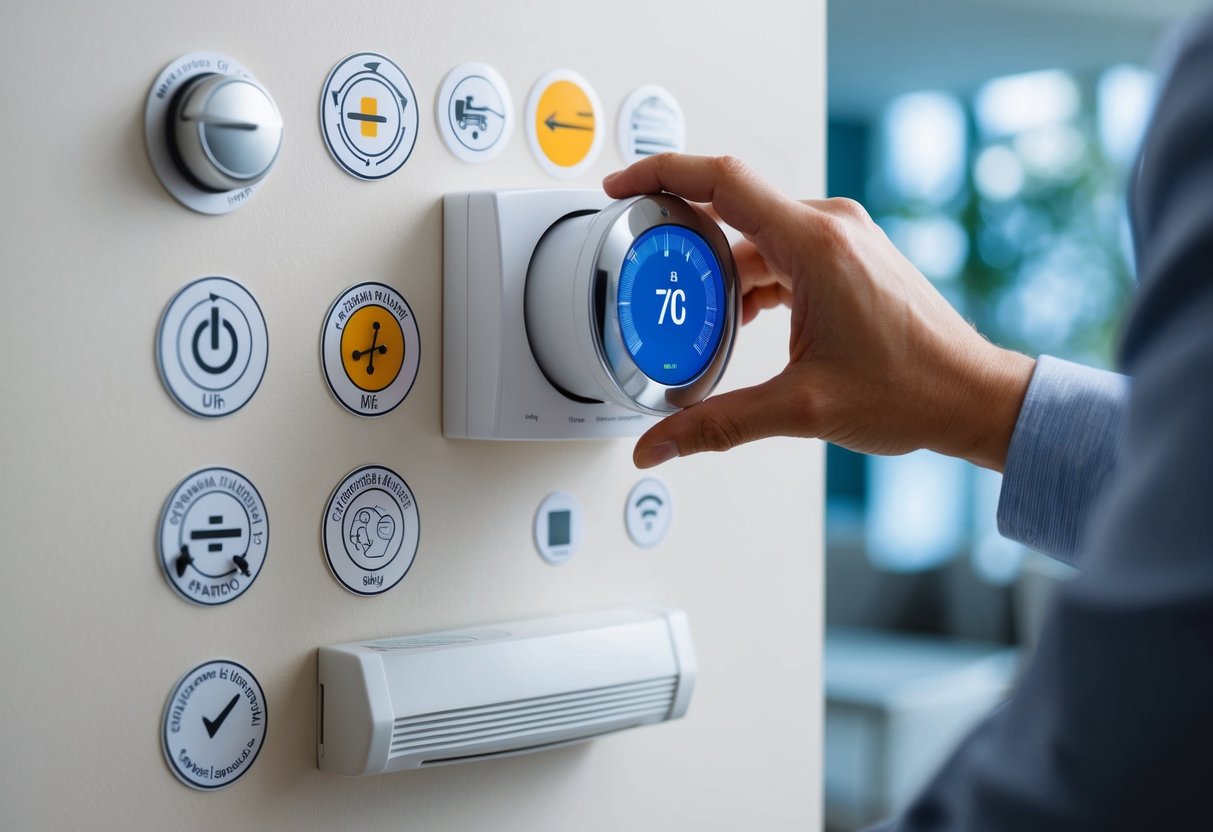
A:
(585, 712)
(459, 696)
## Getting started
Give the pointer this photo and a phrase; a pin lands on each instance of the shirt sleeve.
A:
(1062, 454)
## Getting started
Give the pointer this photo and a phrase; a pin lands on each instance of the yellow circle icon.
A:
(372, 348)
(564, 123)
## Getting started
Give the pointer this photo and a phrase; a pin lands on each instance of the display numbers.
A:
(674, 302)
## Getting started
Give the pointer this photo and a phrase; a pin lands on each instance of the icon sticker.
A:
(648, 512)
(214, 533)
(564, 123)
(559, 527)
(370, 349)
(650, 122)
(212, 346)
(475, 113)
(213, 725)
(371, 530)
(368, 115)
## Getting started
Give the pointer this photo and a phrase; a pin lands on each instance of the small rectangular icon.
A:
(370, 107)
(560, 528)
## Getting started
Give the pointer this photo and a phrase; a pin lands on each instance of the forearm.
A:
(1061, 455)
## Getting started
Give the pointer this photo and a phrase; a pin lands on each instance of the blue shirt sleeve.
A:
(1062, 454)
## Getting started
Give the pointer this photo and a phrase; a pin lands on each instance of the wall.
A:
(93, 248)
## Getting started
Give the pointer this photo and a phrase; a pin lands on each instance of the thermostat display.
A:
(652, 286)
(671, 294)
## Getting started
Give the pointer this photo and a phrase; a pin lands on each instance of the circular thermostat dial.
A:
(636, 304)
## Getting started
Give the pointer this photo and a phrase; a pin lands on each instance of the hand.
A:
(878, 361)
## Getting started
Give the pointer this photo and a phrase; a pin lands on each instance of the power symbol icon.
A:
(212, 346)
(213, 324)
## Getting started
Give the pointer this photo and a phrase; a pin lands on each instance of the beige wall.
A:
(93, 638)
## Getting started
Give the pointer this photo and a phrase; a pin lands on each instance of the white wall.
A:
(93, 638)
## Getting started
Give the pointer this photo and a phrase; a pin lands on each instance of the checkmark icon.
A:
(213, 725)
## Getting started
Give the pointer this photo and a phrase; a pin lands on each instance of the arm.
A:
(1111, 726)
(1062, 455)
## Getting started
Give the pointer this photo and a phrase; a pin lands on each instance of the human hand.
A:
(878, 361)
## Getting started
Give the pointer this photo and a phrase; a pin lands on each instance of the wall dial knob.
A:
(225, 131)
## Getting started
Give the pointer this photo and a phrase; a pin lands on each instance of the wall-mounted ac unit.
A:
(450, 697)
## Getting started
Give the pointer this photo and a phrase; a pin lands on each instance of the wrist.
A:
(990, 394)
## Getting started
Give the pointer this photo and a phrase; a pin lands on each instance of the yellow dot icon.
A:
(564, 123)
(372, 348)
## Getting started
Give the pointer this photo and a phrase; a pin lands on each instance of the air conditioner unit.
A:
(424, 700)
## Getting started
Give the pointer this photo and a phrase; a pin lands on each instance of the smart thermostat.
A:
(571, 316)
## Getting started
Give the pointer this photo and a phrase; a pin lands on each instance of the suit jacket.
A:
(1111, 725)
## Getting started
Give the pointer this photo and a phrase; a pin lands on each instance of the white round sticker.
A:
(368, 115)
(650, 122)
(371, 530)
(214, 725)
(648, 512)
(370, 349)
(475, 113)
(559, 527)
(212, 347)
(214, 534)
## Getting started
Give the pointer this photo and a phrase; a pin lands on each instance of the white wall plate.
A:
(491, 386)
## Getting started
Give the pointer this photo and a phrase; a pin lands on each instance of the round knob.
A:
(226, 131)
(636, 304)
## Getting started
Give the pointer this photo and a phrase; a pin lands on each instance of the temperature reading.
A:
(652, 296)
(675, 300)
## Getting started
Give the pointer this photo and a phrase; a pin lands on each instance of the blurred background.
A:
(992, 140)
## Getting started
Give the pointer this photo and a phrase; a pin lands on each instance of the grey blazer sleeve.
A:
(1062, 454)
(1111, 725)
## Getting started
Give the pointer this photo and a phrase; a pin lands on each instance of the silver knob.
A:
(227, 132)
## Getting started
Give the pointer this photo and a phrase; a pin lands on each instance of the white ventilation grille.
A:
(577, 713)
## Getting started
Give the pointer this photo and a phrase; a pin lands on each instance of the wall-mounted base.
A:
(491, 386)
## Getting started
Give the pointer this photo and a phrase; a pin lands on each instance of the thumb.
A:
(723, 422)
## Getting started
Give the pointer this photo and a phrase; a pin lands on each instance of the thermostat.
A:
(570, 316)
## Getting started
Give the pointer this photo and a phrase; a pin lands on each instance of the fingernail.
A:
(610, 176)
(659, 453)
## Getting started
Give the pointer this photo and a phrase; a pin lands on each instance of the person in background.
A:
(1111, 725)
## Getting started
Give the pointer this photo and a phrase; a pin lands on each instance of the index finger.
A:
(740, 197)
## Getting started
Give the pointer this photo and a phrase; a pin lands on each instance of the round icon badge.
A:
(214, 534)
(648, 512)
(371, 530)
(370, 349)
(213, 725)
(650, 122)
(368, 115)
(559, 527)
(564, 123)
(475, 112)
(212, 346)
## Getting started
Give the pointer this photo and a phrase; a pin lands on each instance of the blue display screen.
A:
(671, 298)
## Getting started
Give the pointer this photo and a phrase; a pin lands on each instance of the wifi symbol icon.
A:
(648, 512)
(653, 509)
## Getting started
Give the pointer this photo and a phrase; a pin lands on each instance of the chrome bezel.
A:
(626, 221)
